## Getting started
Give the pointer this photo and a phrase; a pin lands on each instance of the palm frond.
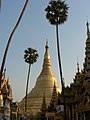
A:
(30, 55)
(57, 12)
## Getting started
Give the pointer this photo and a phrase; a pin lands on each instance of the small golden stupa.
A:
(44, 84)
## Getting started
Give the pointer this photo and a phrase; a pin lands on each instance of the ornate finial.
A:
(87, 27)
(77, 66)
(4, 72)
(46, 45)
(47, 56)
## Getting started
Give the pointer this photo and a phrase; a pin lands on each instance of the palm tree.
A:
(30, 57)
(56, 13)
(10, 38)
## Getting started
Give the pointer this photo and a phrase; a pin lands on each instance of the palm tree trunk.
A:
(27, 88)
(10, 38)
(60, 68)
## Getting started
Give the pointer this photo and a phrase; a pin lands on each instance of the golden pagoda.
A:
(44, 84)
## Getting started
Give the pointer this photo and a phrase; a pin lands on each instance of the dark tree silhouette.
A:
(30, 57)
(56, 13)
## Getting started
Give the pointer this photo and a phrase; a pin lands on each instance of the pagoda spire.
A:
(88, 31)
(87, 27)
(54, 94)
(47, 55)
(43, 109)
(53, 102)
(46, 62)
(87, 54)
(77, 66)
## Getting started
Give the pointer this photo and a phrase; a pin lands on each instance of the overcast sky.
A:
(33, 32)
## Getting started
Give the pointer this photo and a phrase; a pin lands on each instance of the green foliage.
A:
(30, 55)
(56, 12)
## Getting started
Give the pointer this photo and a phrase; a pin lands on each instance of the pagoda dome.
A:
(44, 84)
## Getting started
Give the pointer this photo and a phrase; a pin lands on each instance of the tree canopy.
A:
(57, 12)
(30, 55)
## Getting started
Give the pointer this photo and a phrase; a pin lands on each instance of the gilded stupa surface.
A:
(44, 84)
